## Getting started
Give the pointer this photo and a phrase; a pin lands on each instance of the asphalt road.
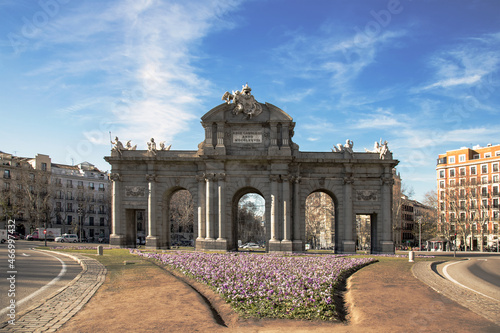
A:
(480, 274)
(33, 276)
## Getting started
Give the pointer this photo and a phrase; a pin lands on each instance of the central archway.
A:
(249, 225)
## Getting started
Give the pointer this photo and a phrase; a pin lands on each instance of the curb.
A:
(55, 310)
(483, 306)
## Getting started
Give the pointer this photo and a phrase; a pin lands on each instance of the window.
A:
(484, 168)
(473, 170)
(6, 186)
(462, 205)
(495, 167)
(69, 207)
(44, 166)
(473, 181)
(497, 153)
(70, 219)
(69, 195)
(475, 157)
(495, 203)
(91, 221)
(101, 222)
(441, 184)
(80, 184)
(462, 182)
(58, 182)
(452, 172)
(484, 191)
(473, 192)
(484, 180)
(452, 182)
(451, 159)
(6, 174)
(487, 155)
(495, 190)
(462, 171)
(484, 203)
(441, 173)
(91, 186)
(441, 195)
(495, 179)
(69, 183)
(101, 187)
(461, 158)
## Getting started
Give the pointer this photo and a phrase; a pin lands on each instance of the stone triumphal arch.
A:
(248, 148)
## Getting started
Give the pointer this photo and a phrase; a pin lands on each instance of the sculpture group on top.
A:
(119, 148)
(381, 148)
(244, 102)
(342, 148)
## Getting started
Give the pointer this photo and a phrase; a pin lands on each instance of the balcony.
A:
(69, 210)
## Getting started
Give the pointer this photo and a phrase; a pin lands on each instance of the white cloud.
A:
(144, 48)
(455, 82)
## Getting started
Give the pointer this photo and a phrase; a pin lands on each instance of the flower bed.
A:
(273, 286)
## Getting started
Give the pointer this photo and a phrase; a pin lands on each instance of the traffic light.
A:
(44, 231)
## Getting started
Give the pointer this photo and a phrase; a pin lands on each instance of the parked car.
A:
(70, 238)
(251, 246)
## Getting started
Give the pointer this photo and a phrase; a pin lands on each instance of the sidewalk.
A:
(60, 307)
(382, 297)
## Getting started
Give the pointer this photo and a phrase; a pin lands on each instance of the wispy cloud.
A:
(144, 48)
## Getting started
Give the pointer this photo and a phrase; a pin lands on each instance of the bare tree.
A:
(320, 214)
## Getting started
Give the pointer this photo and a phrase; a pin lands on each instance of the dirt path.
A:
(382, 297)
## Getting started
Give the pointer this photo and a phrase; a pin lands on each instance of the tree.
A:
(181, 214)
(320, 224)
(250, 221)
(429, 215)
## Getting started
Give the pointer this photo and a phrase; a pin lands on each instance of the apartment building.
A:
(468, 195)
(37, 192)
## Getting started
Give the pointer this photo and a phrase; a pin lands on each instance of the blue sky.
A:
(423, 75)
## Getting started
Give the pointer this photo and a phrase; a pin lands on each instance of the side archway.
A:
(178, 222)
(321, 221)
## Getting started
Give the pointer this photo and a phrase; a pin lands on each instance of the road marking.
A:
(36, 293)
(26, 255)
(445, 272)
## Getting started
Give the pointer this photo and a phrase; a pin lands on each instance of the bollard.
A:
(99, 250)
(410, 256)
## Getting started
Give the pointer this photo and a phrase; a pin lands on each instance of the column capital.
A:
(115, 176)
(221, 176)
(348, 180)
(210, 177)
(286, 178)
(274, 178)
(296, 179)
(151, 177)
(384, 180)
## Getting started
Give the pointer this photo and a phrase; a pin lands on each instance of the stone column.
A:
(222, 206)
(208, 207)
(220, 148)
(201, 207)
(274, 213)
(117, 232)
(296, 212)
(287, 220)
(286, 243)
(151, 240)
(385, 223)
(349, 246)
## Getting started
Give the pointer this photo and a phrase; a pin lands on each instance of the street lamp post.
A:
(80, 213)
(420, 233)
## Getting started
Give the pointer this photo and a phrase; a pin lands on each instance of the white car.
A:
(70, 238)
(251, 246)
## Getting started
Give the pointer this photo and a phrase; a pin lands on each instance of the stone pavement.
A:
(56, 310)
(483, 306)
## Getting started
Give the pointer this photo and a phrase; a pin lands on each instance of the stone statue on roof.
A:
(244, 102)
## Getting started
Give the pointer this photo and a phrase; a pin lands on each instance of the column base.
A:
(117, 240)
(386, 247)
(298, 246)
(286, 246)
(348, 247)
(151, 242)
(274, 246)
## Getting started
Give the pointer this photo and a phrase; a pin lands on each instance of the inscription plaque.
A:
(247, 136)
